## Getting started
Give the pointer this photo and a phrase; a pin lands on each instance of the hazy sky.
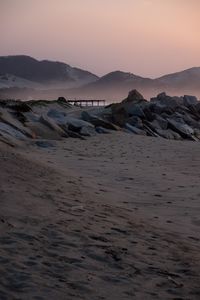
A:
(145, 37)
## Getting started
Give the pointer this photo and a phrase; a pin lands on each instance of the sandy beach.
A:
(110, 217)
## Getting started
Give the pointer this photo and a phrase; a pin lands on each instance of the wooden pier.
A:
(87, 102)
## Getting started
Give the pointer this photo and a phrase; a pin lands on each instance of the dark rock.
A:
(189, 119)
(163, 123)
(61, 99)
(51, 124)
(135, 121)
(189, 100)
(119, 115)
(96, 121)
(87, 131)
(150, 130)
(59, 116)
(102, 130)
(181, 128)
(44, 144)
(135, 110)
(169, 134)
(133, 96)
(167, 101)
(78, 123)
(21, 107)
(149, 115)
(134, 129)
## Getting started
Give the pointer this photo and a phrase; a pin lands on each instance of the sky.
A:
(145, 37)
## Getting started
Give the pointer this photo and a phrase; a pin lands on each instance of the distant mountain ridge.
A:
(44, 72)
(50, 79)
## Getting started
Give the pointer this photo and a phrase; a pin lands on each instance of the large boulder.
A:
(189, 100)
(133, 96)
(131, 106)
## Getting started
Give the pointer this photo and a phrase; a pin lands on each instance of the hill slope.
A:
(45, 72)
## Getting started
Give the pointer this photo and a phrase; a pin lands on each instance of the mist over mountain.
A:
(45, 73)
(25, 77)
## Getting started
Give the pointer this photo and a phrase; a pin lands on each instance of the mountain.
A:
(45, 73)
(26, 77)
(115, 85)
(189, 78)
(10, 81)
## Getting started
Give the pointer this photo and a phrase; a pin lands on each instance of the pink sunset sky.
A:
(145, 37)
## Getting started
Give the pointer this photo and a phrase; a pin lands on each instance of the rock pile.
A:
(163, 116)
(47, 120)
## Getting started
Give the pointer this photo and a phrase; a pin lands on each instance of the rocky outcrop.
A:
(175, 118)
(164, 116)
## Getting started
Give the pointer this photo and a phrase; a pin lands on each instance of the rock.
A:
(77, 123)
(102, 130)
(169, 134)
(135, 110)
(119, 115)
(149, 131)
(7, 118)
(45, 144)
(135, 121)
(133, 96)
(61, 99)
(43, 131)
(96, 121)
(8, 139)
(189, 100)
(87, 131)
(71, 133)
(165, 133)
(134, 129)
(149, 115)
(59, 116)
(162, 122)
(181, 128)
(197, 107)
(32, 117)
(155, 125)
(197, 133)
(167, 101)
(10, 130)
(21, 107)
(52, 125)
(194, 111)
(188, 119)
(131, 106)
(63, 102)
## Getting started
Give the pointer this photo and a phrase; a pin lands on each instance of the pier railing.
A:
(84, 102)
